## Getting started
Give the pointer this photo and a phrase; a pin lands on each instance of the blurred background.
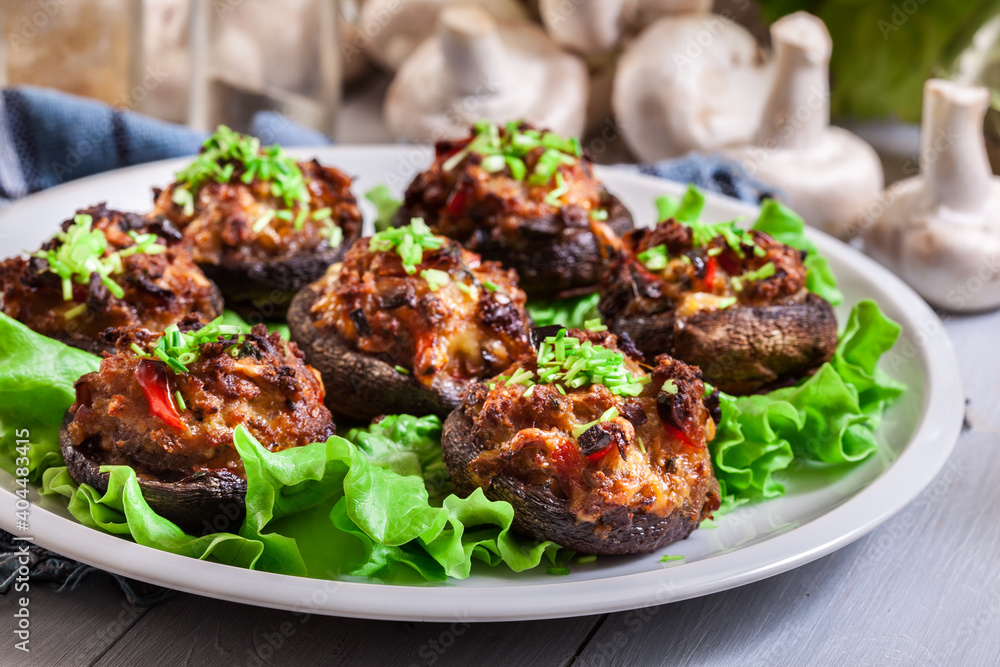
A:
(327, 64)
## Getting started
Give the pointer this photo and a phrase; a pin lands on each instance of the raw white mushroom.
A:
(940, 231)
(827, 174)
(475, 68)
(690, 83)
(391, 30)
(587, 26)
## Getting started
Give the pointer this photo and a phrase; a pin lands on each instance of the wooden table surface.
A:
(922, 589)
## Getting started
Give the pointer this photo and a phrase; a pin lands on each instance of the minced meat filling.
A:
(239, 223)
(453, 316)
(262, 383)
(650, 455)
(159, 289)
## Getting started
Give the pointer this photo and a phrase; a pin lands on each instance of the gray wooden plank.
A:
(68, 627)
(922, 589)
(191, 630)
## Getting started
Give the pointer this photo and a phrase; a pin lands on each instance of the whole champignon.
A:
(940, 231)
(827, 174)
(690, 83)
(476, 69)
(392, 30)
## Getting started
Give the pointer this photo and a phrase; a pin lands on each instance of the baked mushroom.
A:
(260, 224)
(106, 269)
(475, 68)
(523, 197)
(167, 405)
(406, 322)
(733, 303)
(595, 451)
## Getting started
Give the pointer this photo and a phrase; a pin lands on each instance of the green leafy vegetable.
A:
(572, 313)
(36, 389)
(688, 210)
(385, 206)
(655, 258)
(830, 417)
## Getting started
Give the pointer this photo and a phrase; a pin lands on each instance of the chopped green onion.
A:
(599, 214)
(138, 350)
(408, 242)
(530, 391)
(336, 234)
(668, 559)
(517, 168)
(300, 217)
(727, 302)
(400, 369)
(435, 278)
(594, 325)
(607, 415)
(180, 400)
(465, 288)
(178, 350)
(639, 442)
(655, 258)
(764, 272)
(589, 558)
(490, 285)
(493, 164)
(75, 311)
(322, 213)
(262, 222)
(561, 571)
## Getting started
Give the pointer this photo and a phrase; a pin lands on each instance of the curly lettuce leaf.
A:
(830, 417)
(407, 445)
(572, 312)
(36, 388)
(786, 226)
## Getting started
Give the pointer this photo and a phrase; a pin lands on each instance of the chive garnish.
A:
(408, 242)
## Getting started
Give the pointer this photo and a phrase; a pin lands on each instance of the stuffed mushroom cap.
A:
(106, 268)
(260, 224)
(524, 197)
(173, 421)
(406, 322)
(595, 451)
(732, 302)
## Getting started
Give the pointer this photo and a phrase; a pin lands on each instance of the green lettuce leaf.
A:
(36, 388)
(572, 312)
(830, 417)
(786, 226)
(385, 206)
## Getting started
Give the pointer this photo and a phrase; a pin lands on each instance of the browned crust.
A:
(541, 515)
(360, 386)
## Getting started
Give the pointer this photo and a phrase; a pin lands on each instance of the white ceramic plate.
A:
(752, 543)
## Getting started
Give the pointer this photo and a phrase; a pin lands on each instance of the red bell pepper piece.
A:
(152, 378)
(597, 456)
(711, 266)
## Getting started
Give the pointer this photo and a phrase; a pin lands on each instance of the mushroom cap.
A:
(393, 29)
(516, 72)
(831, 184)
(950, 258)
(587, 26)
(690, 83)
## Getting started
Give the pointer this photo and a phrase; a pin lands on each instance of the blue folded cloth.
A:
(48, 138)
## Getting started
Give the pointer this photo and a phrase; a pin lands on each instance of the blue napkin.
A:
(48, 138)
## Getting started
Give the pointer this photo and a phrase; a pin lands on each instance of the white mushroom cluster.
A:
(940, 231)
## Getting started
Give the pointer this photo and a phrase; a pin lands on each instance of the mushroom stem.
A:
(473, 52)
(952, 151)
(798, 110)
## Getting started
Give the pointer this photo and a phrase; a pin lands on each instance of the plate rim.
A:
(917, 465)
